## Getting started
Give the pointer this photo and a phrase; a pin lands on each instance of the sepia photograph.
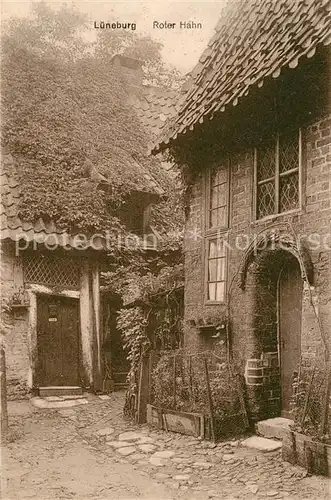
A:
(165, 263)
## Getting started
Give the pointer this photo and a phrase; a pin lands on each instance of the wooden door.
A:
(290, 305)
(58, 341)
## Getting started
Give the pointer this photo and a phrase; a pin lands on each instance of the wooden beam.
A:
(3, 396)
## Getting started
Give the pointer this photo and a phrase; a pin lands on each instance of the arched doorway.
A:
(272, 284)
(289, 292)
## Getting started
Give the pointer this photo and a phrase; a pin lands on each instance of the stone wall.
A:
(311, 223)
(314, 456)
(14, 324)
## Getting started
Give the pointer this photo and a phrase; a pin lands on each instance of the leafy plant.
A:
(133, 325)
(181, 384)
(67, 122)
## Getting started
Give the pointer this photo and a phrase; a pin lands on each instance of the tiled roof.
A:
(138, 175)
(254, 40)
(13, 228)
(155, 107)
(145, 175)
(42, 231)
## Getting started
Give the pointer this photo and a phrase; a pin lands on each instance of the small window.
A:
(289, 152)
(277, 175)
(217, 197)
(216, 269)
(52, 270)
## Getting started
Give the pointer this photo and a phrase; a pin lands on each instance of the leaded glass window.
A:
(277, 175)
(216, 269)
(52, 270)
(288, 172)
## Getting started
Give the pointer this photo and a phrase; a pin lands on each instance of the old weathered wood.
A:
(3, 396)
(242, 400)
(150, 366)
(210, 400)
(190, 377)
(165, 423)
(140, 392)
(58, 341)
(174, 380)
(143, 389)
(326, 403)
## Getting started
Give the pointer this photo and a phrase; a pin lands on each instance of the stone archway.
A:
(274, 282)
(270, 241)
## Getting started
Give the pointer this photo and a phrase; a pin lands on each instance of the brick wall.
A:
(248, 313)
(15, 324)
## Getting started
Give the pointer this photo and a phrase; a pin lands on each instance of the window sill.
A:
(214, 303)
(270, 218)
(216, 231)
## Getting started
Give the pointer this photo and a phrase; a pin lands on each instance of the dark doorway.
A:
(116, 364)
(58, 341)
(289, 321)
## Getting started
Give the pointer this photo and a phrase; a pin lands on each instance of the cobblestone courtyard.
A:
(90, 451)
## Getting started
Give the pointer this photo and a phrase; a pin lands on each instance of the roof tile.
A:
(254, 39)
(153, 104)
(12, 227)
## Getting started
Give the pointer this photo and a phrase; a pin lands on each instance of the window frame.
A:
(224, 237)
(278, 175)
(219, 232)
(212, 230)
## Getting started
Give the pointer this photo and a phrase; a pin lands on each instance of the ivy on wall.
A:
(133, 325)
(139, 322)
(68, 123)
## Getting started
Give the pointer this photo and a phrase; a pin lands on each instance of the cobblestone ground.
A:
(90, 451)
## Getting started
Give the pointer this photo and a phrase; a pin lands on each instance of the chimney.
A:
(130, 68)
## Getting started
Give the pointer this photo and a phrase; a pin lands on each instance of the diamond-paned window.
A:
(266, 199)
(289, 192)
(52, 270)
(288, 153)
(266, 163)
(277, 175)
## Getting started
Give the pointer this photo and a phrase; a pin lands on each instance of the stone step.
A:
(120, 387)
(60, 391)
(58, 402)
(274, 428)
(261, 444)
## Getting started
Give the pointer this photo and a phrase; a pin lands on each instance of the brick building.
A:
(253, 137)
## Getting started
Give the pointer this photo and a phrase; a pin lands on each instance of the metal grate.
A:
(200, 383)
(311, 401)
(52, 270)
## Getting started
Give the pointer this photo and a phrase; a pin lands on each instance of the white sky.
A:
(182, 48)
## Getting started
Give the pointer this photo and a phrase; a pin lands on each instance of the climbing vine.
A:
(149, 318)
(133, 325)
(78, 145)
